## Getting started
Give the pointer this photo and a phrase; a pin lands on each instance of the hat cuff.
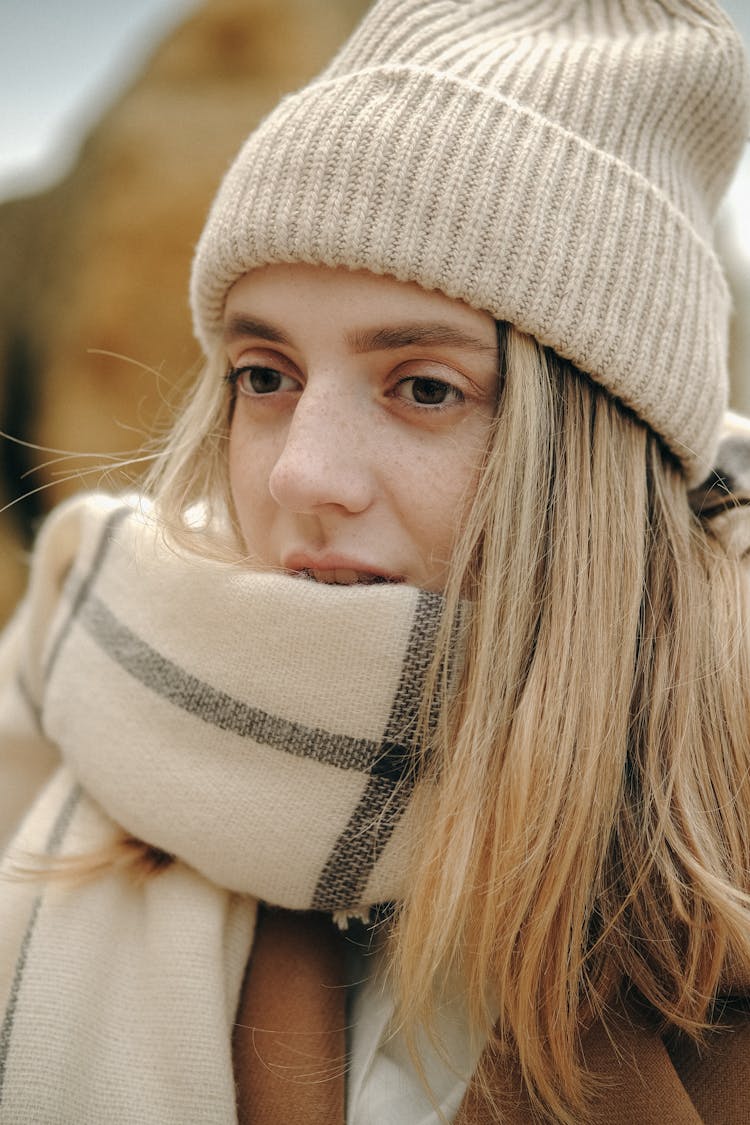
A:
(570, 244)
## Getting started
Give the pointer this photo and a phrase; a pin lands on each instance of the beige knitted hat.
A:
(555, 162)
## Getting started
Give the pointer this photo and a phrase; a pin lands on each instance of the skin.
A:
(362, 409)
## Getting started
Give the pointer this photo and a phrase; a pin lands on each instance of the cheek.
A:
(443, 509)
(248, 479)
(438, 488)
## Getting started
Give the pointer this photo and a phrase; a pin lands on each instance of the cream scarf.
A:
(251, 725)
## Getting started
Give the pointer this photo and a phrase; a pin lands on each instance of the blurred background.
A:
(116, 122)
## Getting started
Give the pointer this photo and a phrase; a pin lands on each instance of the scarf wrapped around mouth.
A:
(256, 727)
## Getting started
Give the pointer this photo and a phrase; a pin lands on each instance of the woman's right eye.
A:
(257, 380)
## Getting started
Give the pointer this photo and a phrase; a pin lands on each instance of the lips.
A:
(338, 571)
(342, 576)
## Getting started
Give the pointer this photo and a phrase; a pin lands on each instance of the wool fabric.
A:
(556, 163)
(253, 727)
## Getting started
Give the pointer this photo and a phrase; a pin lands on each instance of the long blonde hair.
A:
(587, 806)
(586, 803)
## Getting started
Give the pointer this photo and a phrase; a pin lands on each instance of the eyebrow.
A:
(239, 326)
(368, 339)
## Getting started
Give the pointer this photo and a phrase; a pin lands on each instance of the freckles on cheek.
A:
(453, 488)
(439, 496)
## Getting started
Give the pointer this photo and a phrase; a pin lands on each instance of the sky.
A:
(63, 61)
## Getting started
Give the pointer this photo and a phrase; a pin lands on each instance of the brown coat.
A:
(290, 1052)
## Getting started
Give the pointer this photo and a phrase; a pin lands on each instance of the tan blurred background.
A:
(95, 333)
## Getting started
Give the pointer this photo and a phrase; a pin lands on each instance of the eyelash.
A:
(234, 374)
(453, 394)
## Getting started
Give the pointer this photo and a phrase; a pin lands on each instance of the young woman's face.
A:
(363, 408)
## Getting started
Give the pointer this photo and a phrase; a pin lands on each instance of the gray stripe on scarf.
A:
(53, 842)
(386, 795)
(31, 704)
(217, 707)
(113, 521)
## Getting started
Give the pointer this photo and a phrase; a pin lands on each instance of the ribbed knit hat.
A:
(556, 163)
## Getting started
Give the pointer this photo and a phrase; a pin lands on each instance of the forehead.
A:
(298, 291)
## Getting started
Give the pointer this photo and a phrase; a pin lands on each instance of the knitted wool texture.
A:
(555, 162)
(255, 727)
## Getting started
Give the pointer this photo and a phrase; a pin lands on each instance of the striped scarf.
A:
(253, 726)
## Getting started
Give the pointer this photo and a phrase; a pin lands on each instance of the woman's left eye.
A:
(424, 391)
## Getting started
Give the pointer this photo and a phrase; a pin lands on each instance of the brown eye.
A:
(429, 392)
(423, 391)
(257, 380)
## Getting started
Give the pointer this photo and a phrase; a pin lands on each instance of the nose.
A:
(325, 459)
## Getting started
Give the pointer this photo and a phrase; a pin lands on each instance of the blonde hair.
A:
(190, 471)
(586, 810)
(585, 803)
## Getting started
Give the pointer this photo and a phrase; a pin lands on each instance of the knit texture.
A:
(254, 726)
(555, 162)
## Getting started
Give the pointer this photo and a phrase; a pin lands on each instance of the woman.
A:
(465, 340)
